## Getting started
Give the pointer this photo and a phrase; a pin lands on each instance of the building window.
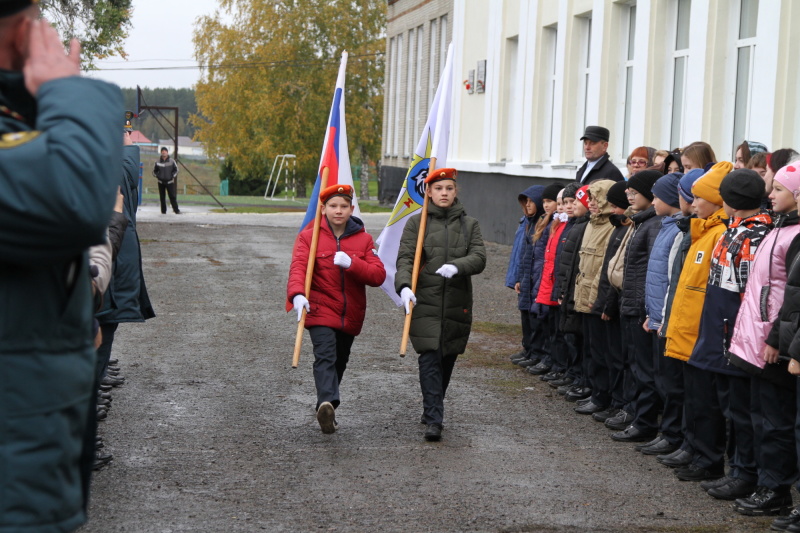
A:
(433, 71)
(410, 93)
(443, 43)
(418, 86)
(550, 41)
(680, 61)
(629, 54)
(745, 57)
(509, 83)
(585, 25)
(398, 62)
(391, 97)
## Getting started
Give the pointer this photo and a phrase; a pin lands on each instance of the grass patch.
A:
(493, 328)
(284, 209)
(255, 209)
(490, 344)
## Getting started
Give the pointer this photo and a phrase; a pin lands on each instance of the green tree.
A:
(101, 26)
(271, 67)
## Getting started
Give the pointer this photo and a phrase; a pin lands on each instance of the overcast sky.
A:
(161, 37)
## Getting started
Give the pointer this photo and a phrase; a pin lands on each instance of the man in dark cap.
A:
(60, 155)
(598, 166)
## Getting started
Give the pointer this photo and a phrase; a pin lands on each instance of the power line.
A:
(246, 65)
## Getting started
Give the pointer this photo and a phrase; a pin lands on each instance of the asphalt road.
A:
(214, 431)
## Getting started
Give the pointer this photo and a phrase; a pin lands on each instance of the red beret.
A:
(336, 190)
(441, 174)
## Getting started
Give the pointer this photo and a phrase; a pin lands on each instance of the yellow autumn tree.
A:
(269, 73)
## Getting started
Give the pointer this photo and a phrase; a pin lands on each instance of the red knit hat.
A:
(583, 196)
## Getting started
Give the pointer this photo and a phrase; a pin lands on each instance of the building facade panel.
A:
(661, 73)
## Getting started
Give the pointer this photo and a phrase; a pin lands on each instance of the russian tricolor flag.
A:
(334, 151)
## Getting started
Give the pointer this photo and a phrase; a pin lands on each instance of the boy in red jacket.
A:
(346, 261)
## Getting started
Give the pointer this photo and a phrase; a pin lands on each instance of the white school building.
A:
(531, 74)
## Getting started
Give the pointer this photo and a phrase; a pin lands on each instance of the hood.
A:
(454, 211)
(354, 225)
(783, 220)
(758, 218)
(534, 192)
(598, 190)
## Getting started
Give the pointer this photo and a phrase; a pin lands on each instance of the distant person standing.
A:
(166, 170)
(598, 165)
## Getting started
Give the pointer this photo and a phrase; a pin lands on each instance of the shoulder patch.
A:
(12, 140)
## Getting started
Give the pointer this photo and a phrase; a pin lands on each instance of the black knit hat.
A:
(616, 194)
(571, 189)
(551, 192)
(642, 182)
(742, 189)
(10, 7)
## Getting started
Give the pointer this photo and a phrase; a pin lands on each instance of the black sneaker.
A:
(326, 416)
(783, 523)
(433, 433)
(602, 416)
(619, 422)
(765, 502)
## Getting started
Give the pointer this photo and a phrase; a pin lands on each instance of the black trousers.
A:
(596, 355)
(559, 352)
(104, 351)
(616, 364)
(540, 338)
(741, 446)
(435, 371)
(172, 190)
(574, 342)
(705, 421)
(669, 381)
(331, 354)
(639, 345)
(773, 412)
(526, 331)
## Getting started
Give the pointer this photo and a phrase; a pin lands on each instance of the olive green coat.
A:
(442, 316)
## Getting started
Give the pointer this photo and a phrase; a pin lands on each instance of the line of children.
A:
(678, 333)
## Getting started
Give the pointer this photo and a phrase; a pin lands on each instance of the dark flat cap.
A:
(596, 133)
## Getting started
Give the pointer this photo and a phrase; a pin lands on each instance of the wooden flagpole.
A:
(423, 222)
(312, 256)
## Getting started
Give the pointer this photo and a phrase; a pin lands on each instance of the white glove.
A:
(299, 303)
(447, 271)
(408, 296)
(342, 259)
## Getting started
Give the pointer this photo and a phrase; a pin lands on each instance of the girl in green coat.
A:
(453, 251)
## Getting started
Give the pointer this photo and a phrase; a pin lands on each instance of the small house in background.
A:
(145, 145)
(187, 148)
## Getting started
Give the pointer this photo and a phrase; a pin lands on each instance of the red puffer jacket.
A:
(338, 296)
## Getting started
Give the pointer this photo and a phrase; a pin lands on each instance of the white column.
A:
(765, 72)
(556, 157)
(696, 71)
(596, 52)
(528, 33)
(491, 110)
(641, 45)
(456, 122)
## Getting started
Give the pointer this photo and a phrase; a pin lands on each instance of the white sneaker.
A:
(326, 418)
